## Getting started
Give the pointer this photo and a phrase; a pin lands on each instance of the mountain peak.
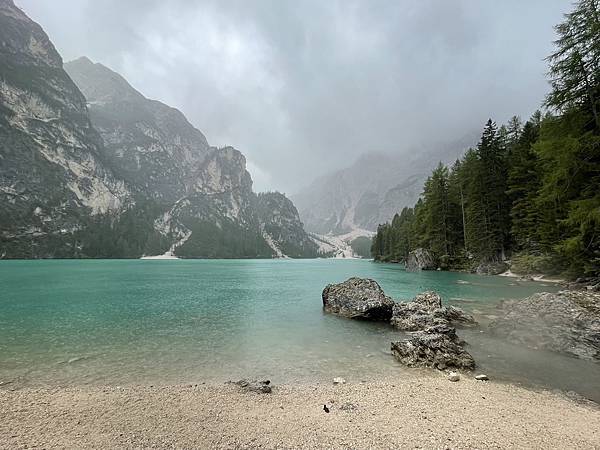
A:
(100, 84)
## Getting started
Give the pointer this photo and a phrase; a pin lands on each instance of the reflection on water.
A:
(82, 322)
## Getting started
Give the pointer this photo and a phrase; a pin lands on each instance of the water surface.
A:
(70, 322)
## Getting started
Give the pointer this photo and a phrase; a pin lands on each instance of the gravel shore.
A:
(420, 411)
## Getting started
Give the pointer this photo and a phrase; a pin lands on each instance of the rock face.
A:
(52, 180)
(566, 322)
(132, 177)
(281, 225)
(491, 268)
(209, 207)
(436, 346)
(362, 195)
(425, 311)
(149, 144)
(420, 259)
(371, 190)
(358, 298)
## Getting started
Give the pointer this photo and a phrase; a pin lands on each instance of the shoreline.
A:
(423, 409)
(538, 278)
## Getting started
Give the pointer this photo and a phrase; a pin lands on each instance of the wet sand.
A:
(420, 411)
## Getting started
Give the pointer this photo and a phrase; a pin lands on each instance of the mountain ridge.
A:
(116, 174)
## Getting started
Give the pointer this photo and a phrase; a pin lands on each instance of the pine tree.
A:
(436, 212)
(575, 65)
(523, 187)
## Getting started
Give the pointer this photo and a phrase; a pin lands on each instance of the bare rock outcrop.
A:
(358, 298)
(437, 346)
(420, 259)
(566, 322)
(426, 310)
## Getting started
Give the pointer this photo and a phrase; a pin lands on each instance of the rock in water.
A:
(437, 347)
(429, 300)
(453, 376)
(358, 298)
(565, 322)
(339, 380)
(420, 259)
(458, 316)
(260, 387)
(482, 377)
(425, 311)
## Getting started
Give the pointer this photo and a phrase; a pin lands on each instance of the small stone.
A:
(339, 380)
(453, 376)
(482, 377)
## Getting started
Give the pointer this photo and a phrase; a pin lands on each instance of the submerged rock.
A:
(420, 259)
(261, 387)
(566, 322)
(358, 298)
(425, 311)
(437, 347)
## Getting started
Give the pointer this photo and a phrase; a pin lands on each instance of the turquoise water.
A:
(69, 322)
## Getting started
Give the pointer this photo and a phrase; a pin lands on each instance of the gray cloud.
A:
(303, 87)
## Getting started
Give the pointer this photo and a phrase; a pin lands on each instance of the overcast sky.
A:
(304, 87)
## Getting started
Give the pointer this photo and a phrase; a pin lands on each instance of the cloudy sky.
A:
(302, 87)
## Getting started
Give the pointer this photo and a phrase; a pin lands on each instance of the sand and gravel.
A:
(420, 411)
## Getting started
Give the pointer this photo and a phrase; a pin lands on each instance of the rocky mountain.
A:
(281, 226)
(371, 190)
(52, 178)
(367, 193)
(121, 176)
(149, 144)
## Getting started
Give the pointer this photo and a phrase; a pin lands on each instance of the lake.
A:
(75, 322)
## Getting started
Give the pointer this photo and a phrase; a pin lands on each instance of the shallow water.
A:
(66, 322)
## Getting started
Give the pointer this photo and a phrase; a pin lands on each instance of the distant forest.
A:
(528, 191)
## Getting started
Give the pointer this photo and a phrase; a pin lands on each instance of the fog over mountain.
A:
(305, 88)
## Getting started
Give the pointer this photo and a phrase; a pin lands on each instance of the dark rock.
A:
(566, 322)
(358, 298)
(420, 259)
(261, 387)
(349, 407)
(458, 316)
(432, 349)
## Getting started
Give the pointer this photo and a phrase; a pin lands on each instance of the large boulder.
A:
(437, 346)
(425, 311)
(420, 259)
(358, 298)
(566, 322)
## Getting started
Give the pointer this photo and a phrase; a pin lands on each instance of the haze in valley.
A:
(304, 88)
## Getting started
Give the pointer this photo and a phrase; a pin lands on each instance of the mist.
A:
(303, 88)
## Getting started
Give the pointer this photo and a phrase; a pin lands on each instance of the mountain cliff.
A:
(360, 196)
(371, 190)
(52, 178)
(89, 167)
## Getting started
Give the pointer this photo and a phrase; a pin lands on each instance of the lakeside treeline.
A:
(528, 191)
